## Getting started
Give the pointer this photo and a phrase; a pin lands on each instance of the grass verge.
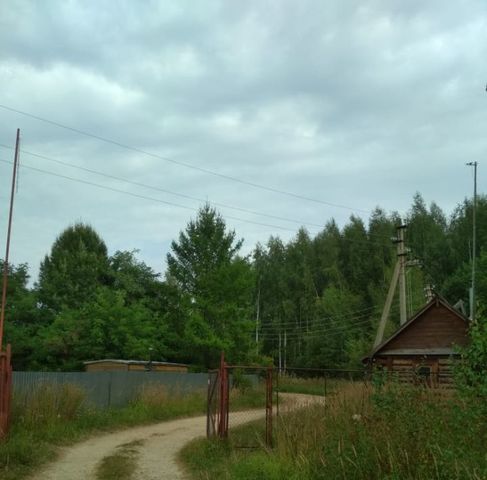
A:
(394, 433)
(55, 416)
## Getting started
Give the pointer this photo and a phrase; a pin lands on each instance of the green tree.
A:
(427, 236)
(472, 370)
(104, 327)
(70, 275)
(23, 318)
(136, 279)
(217, 284)
(460, 230)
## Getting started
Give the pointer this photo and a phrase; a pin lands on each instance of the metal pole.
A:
(7, 248)
(474, 242)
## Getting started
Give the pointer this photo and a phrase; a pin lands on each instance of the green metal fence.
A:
(108, 389)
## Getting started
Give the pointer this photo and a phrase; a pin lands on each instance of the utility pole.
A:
(401, 254)
(398, 276)
(257, 317)
(280, 356)
(285, 350)
(7, 248)
(474, 242)
(387, 306)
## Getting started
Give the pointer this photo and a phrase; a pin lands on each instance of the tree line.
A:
(314, 301)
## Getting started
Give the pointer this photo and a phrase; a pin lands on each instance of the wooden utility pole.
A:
(7, 248)
(387, 307)
(401, 253)
(398, 276)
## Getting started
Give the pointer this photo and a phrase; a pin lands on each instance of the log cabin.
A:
(425, 347)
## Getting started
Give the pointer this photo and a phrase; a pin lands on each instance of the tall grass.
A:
(55, 415)
(319, 385)
(395, 432)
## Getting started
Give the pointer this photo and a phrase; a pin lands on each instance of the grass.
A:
(121, 465)
(55, 416)
(391, 433)
(320, 385)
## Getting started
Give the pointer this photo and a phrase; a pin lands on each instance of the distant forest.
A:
(319, 298)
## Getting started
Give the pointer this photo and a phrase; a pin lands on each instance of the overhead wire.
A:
(136, 195)
(163, 190)
(145, 197)
(178, 162)
(331, 317)
(318, 333)
(319, 330)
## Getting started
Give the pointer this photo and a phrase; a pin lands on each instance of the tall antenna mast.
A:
(474, 242)
(7, 248)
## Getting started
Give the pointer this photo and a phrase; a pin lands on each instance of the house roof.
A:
(437, 300)
(134, 362)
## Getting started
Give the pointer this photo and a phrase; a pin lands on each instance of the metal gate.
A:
(224, 413)
(5, 390)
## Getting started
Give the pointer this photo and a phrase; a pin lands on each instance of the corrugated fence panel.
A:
(107, 389)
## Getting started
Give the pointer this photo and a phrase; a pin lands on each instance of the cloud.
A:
(354, 103)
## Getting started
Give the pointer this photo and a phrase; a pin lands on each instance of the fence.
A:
(284, 391)
(107, 389)
(239, 395)
(317, 381)
(251, 404)
(272, 391)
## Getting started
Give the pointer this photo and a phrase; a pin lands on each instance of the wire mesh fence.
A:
(251, 405)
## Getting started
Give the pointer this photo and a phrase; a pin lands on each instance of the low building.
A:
(423, 349)
(111, 365)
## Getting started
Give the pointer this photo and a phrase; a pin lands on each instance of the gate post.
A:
(224, 398)
(5, 390)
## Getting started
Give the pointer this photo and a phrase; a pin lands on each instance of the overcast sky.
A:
(349, 103)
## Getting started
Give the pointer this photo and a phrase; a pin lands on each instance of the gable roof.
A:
(435, 301)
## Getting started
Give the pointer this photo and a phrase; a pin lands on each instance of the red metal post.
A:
(5, 389)
(224, 399)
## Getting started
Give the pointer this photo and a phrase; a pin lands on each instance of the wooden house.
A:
(423, 349)
(110, 365)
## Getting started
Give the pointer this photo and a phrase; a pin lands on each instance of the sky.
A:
(342, 105)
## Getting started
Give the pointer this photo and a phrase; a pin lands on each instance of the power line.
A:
(159, 189)
(144, 197)
(182, 195)
(165, 202)
(179, 163)
(320, 329)
(331, 332)
(348, 316)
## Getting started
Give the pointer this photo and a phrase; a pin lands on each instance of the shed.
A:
(111, 365)
(424, 348)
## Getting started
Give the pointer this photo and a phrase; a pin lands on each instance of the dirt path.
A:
(157, 446)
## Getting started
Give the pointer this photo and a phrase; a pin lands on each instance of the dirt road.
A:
(157, 446)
